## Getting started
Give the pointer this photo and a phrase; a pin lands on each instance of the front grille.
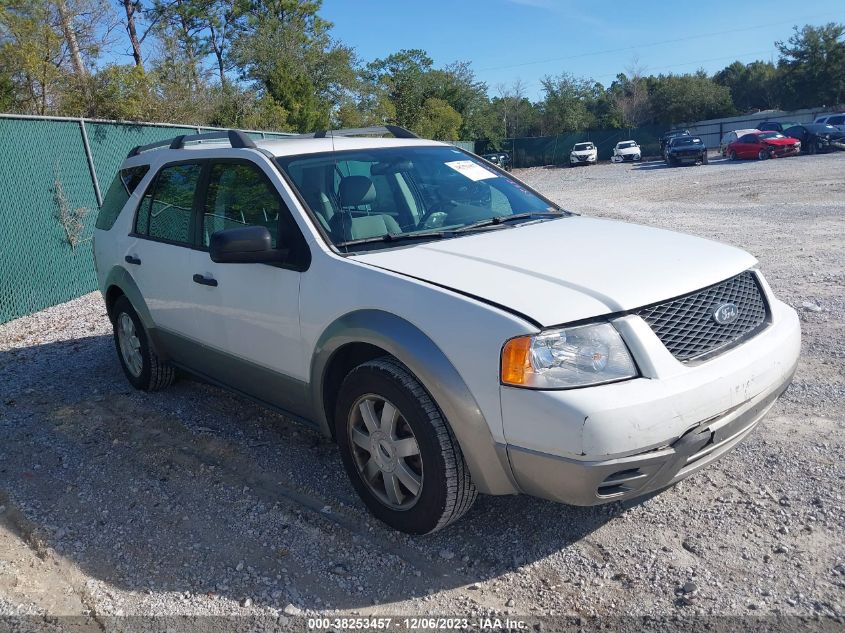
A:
(687, 326)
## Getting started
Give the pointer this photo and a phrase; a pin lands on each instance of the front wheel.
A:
(762, 155)
(398, 450)
(705, 159)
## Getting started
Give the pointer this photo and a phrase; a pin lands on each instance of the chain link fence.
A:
(54, 172)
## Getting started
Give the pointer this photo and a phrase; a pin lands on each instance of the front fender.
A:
(488, 463)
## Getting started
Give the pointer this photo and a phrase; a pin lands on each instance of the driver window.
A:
(239, 194)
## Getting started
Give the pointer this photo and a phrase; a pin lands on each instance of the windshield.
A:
(396, 193)
(626, 145)
(770, 135)
(686, 140)
(580, 147)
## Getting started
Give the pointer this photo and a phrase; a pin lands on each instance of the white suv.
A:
(451, 328)
(583, 154)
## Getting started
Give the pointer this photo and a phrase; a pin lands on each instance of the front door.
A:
(246, 316)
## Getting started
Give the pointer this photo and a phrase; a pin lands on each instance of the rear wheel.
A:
(142, 366)
(732, 155)
(398, 450)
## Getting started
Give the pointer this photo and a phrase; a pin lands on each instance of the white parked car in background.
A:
(450, 328)
(626, 151)
(732, 136)
(583, 154)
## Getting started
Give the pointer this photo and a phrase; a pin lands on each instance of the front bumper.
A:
(624, 440)
(579, 160)
(687, 159)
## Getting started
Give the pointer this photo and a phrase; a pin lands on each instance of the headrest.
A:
(355, 191)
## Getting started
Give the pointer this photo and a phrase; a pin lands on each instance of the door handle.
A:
(205, 281)
(131, 259)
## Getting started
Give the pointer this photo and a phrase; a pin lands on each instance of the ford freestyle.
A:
(452, 329)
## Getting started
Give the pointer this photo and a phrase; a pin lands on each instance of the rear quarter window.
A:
(124, 183)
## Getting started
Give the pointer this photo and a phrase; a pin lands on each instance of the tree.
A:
(286, 40)
(31, 52)
(400, 77)
(131, 9)
(811, 67)
(181, 25)
(753, 86)
(567, 103)
(293, 91)
(684, 98)
(630, 96)
(439, 120)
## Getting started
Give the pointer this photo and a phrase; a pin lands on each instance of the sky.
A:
(507, 40)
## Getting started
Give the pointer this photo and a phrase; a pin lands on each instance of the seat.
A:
(317, 199)
(355, 192)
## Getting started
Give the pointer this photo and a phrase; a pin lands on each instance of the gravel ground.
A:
(194, 501)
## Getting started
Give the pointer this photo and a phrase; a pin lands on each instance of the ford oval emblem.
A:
(725, 313)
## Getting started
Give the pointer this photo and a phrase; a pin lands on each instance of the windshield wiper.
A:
(504, 219)
(397, 237)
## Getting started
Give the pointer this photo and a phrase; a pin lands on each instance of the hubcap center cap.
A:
(382, 451)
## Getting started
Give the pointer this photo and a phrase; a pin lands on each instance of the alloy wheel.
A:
(130, 346)
(385, 451)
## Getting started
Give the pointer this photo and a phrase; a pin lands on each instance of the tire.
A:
(705, 159)
(445, 490)
(143, 368)
(813, 148)
(732, 155)
(762, 155)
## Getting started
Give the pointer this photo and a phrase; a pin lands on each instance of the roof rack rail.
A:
(236, 138)
(397, 131)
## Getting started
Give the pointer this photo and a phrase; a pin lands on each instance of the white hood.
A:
(569, 269)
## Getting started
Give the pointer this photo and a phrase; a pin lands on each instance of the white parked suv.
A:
(626, 151)
(583, 154)
(452, 329)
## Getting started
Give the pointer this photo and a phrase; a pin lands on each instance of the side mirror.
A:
(245, 245)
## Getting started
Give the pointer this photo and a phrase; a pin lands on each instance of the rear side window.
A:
(166, 210)
(124, 183)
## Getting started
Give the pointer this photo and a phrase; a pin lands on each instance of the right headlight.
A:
(567, 357)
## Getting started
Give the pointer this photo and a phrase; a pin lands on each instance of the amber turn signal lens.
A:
(515, 360)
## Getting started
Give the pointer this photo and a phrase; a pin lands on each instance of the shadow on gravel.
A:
(193, 490)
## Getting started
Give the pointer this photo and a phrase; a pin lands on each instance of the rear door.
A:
(246, 316)
(159, 248)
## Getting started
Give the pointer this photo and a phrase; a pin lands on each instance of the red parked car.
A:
(763, 145)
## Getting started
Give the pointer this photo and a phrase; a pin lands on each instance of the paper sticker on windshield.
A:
(471, 170)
